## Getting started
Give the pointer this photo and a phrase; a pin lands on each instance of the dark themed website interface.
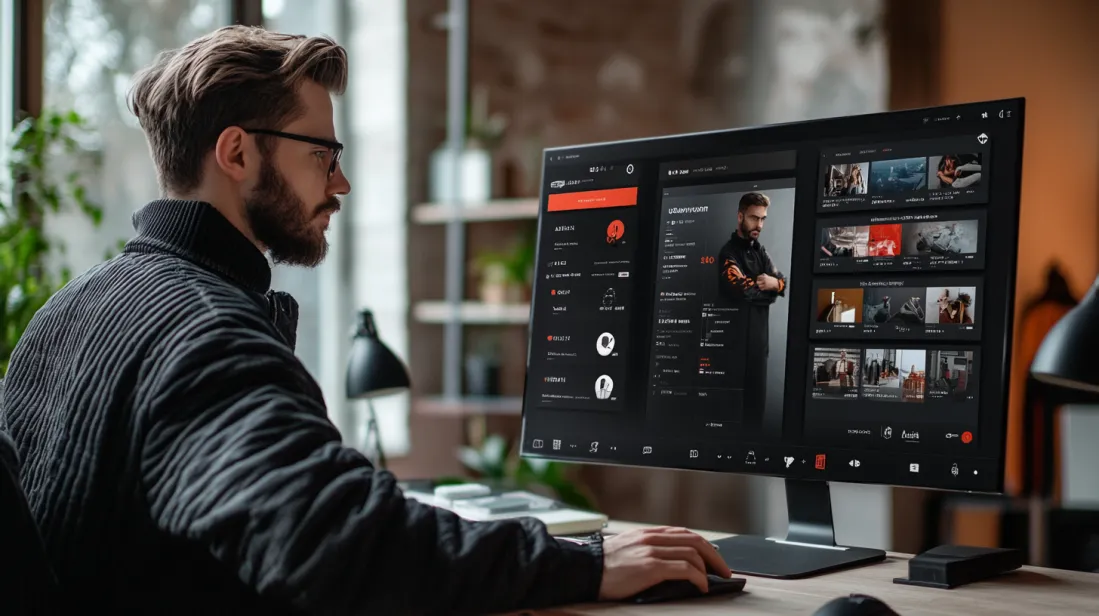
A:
(675, 322)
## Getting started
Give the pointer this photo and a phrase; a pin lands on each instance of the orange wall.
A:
(1047, 51)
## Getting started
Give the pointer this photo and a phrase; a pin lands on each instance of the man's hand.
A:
(638, 559)
(767, 283)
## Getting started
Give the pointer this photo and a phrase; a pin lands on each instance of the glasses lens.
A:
(336, 153)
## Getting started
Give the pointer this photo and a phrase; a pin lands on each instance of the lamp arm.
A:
(373, 434)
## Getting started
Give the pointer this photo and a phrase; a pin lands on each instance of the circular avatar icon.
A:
(603, 387)
(605, 344)
(615, 231)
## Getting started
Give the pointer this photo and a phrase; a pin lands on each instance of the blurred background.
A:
(508, 78)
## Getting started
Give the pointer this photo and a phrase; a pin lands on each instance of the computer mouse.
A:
(672, 590)
(855, 605)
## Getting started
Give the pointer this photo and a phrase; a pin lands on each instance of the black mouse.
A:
(855, 605)
(673, 590)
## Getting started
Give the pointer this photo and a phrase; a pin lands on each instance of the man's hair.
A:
(234, 76)
(754, 198)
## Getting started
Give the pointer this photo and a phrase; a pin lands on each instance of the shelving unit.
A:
(454, 312)
(469, 406)
(497, 210)
(472, 313)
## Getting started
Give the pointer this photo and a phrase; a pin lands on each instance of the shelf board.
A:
(501, 209)
(466, 406)
(476, 313)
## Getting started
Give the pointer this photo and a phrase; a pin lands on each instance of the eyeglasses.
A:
(334, 146)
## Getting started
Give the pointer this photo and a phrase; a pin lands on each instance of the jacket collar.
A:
(196, 231)
(745, 242)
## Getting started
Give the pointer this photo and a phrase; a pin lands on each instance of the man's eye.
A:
(321, 154)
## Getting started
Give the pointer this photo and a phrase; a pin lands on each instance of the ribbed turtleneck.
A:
(196, 231)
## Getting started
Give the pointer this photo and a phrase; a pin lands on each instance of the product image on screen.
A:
(881, 377)
(842, 242)
(950, 238)
(839, 305)
(836, 372)
(954, 171)
(846, 179)
(896, 305)
(898, 176)
(952, 305)
(911, 374)
(719, 328)
(884, 241)
(948, 374)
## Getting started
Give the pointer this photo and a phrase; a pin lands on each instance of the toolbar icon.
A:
(788, 460)
(646, 450)
(854, 463)
(954, 469)
(913, 468)
(820, 461)
(982, 139)
(537, 443)
(594, 447)
(556, 444)
(750, 458)
(693, 453)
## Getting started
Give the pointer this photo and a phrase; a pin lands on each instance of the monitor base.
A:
(776, 558)
(810, 546)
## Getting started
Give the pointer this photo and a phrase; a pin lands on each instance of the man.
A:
(176, 454)
(748, 278)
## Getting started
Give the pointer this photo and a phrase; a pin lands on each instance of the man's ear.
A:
(234, 153)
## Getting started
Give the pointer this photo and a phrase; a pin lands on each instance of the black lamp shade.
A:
(1066, 358)
(372, 369)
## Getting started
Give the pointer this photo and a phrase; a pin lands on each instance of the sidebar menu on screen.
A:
(580, 332)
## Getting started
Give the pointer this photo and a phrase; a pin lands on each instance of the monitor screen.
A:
(819, 300)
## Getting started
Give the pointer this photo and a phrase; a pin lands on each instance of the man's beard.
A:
(745, 232)
(280, 221)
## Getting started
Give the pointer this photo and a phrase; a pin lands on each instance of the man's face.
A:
(750, 221)
(294, 197)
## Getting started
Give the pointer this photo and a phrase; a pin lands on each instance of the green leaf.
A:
(36, 148)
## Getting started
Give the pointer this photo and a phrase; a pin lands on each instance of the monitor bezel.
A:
(607, 150)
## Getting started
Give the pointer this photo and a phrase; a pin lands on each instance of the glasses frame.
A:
(334, 146)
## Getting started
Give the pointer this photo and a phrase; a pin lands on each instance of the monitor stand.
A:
(810, 545)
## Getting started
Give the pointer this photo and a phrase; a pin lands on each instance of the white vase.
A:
(475, 174)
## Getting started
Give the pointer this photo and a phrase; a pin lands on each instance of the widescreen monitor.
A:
(828, 300)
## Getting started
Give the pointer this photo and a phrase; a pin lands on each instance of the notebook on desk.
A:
(559, 519)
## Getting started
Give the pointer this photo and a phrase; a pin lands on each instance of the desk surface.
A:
(1029, 591)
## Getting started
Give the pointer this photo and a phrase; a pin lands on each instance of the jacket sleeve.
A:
(739, 286)
(239, 456)
(773, 271)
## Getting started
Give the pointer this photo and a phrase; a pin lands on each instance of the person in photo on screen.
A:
(749, 279)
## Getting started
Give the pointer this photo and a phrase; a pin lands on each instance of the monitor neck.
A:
(809, 507)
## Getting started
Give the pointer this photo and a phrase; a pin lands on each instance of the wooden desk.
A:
(1031, 591)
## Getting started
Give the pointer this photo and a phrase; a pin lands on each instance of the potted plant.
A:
(484, 131)
(506, 276)
(36, 151)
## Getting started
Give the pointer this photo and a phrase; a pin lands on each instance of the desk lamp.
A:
(373, 371)
(1066, 357)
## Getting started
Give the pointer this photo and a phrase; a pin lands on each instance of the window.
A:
(365, 267)
(92, 48)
